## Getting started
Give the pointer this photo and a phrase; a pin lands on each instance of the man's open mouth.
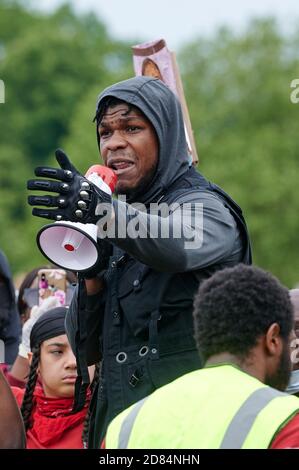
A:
(121, 166)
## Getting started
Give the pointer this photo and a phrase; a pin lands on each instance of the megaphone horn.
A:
(69, 245)
(73, 245)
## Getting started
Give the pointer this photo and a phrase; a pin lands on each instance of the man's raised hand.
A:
(77, 197)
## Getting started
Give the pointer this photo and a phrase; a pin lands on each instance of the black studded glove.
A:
(77, 198)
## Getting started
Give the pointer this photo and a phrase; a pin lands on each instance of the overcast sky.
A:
(178, 21)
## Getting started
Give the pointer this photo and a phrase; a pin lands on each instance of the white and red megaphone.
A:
(73, 245)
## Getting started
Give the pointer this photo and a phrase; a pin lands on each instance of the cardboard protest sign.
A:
(155, 60)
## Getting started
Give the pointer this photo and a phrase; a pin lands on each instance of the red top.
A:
(288, 437)
(53, 425)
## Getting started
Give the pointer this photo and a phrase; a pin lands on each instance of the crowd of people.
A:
(172, 310)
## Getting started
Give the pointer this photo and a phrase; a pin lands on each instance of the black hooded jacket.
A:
(141, 325)
(10, 327)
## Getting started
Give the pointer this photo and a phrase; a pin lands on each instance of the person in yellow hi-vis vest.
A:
(243, 320)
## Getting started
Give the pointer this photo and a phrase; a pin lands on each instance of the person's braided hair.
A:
(86, 422)
(28, 400)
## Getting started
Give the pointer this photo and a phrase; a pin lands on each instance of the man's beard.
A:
(132, 194)
(281, 378)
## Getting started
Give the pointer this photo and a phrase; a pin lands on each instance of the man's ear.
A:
(273, 340)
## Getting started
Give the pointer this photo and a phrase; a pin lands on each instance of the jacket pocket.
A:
(138, 297)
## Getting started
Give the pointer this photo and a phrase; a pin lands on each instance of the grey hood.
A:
(163, 110)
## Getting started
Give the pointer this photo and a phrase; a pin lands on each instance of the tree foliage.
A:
(49, 63)
(246, 129)
(238, 90)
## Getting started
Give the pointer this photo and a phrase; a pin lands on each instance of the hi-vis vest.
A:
(219, 407)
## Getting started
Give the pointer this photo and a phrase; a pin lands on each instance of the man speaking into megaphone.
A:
(138, 312)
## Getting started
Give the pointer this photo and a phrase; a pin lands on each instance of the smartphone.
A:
(52, 282)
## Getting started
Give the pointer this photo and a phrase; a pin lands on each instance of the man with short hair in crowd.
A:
(244, 324)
